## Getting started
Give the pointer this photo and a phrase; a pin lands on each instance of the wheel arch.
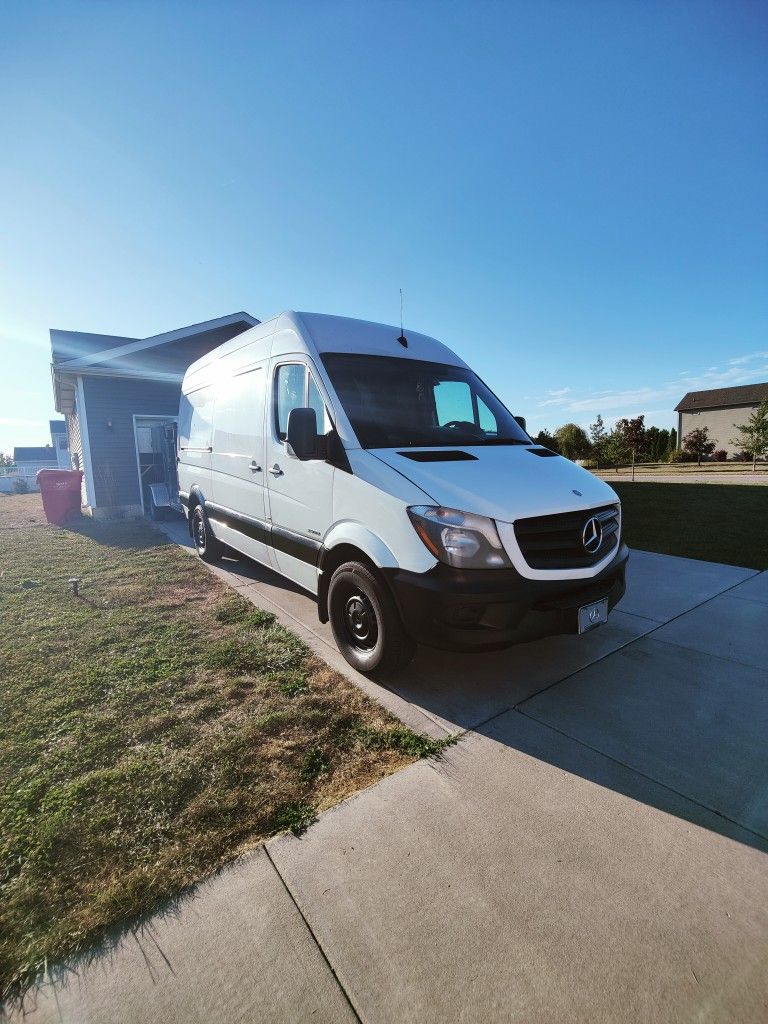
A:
(354, 543)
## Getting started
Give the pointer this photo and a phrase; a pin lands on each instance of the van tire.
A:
(366, 623)
(209, 549)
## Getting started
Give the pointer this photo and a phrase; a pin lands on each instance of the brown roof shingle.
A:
(746, 394)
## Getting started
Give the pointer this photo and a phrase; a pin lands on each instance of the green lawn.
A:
(718, 523)
(150, 730)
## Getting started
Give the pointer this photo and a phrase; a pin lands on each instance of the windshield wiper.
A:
(503, 440)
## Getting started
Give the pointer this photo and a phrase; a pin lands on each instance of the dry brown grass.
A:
(150, 730)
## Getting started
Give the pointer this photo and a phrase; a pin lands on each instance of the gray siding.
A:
(113, 450)
(719, 422)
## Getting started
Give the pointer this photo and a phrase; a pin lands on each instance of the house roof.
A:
(41, 454)
(159, 357)
(718, 398)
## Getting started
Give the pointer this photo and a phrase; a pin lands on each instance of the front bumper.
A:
(482, 609)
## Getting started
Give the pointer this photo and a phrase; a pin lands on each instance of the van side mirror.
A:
(521, 422)
(302, 433)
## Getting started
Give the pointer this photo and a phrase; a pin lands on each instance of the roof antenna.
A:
(402, 339)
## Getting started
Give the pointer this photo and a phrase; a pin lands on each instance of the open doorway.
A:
(156, 462)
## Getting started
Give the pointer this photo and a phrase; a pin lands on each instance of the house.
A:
(28, 460)
(720, 410)
(114, 393)
(60, 442)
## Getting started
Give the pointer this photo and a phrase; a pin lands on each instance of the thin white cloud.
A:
(741, 360)
(613, 404)
(556, 397)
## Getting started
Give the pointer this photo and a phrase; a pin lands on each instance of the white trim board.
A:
(85, 444)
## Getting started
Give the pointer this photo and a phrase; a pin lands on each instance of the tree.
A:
(598, 436)
(572, 441)
(697, 443)
(616, 451)
(657, 443)
(633, 432)
(753, 435)
(671, 448)
(5, 460)
(546, 440)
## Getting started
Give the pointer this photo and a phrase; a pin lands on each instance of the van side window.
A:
(196, 419)
(289, 394)
(315, 401)
(486, 418)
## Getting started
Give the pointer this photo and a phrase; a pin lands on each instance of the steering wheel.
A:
(464, 425)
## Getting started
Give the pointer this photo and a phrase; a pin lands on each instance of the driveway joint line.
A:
(643, 775)
(309, 928)
(708, 654)
(636, 639)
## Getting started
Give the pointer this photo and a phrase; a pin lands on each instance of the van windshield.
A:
(401, 403)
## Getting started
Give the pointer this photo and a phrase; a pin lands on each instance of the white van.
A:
(379, 473)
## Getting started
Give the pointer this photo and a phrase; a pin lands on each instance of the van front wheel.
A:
(365, 622)
(209, 549)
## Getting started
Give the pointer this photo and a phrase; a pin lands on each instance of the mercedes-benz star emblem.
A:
(592, 535)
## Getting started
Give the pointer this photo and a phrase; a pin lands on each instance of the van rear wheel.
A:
(209, 549)
(366, 623)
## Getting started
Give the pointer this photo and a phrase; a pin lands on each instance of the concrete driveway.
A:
(592, 849)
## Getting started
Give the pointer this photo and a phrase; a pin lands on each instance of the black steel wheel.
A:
(365, 621)
(209, 549)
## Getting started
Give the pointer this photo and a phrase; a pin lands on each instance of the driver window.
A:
(453, 401)
(289, 394)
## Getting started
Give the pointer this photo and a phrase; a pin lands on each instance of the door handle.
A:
(255, 467)
(275, 470)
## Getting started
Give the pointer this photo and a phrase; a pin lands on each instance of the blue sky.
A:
(572, 195)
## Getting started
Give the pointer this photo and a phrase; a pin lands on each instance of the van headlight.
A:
(458, 538)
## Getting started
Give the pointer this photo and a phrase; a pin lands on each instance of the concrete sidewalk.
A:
(592, 849)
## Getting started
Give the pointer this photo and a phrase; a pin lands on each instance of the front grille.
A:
(555, 542)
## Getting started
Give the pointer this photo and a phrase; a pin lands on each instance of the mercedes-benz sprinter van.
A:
(377, 471)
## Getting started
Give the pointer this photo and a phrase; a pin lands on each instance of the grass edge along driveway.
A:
(716, 523)
(151, 730)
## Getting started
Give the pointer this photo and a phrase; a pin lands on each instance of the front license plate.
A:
(591, 615)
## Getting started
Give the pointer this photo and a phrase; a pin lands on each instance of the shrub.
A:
(20, 485)
(720, 455)
(678, 455)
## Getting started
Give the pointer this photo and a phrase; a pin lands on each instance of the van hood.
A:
(504, 482)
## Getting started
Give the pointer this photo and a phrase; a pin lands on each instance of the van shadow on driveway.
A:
(667, 703)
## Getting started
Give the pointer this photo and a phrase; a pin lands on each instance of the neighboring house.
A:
(28, 460)
(113, 391)
(719, 410)
(60, 442)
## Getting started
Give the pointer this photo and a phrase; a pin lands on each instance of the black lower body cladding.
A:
(470, 610)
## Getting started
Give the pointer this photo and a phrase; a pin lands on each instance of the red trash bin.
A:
(60, 491)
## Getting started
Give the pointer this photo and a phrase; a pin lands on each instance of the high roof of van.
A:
(345, 334)
(292, 331)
